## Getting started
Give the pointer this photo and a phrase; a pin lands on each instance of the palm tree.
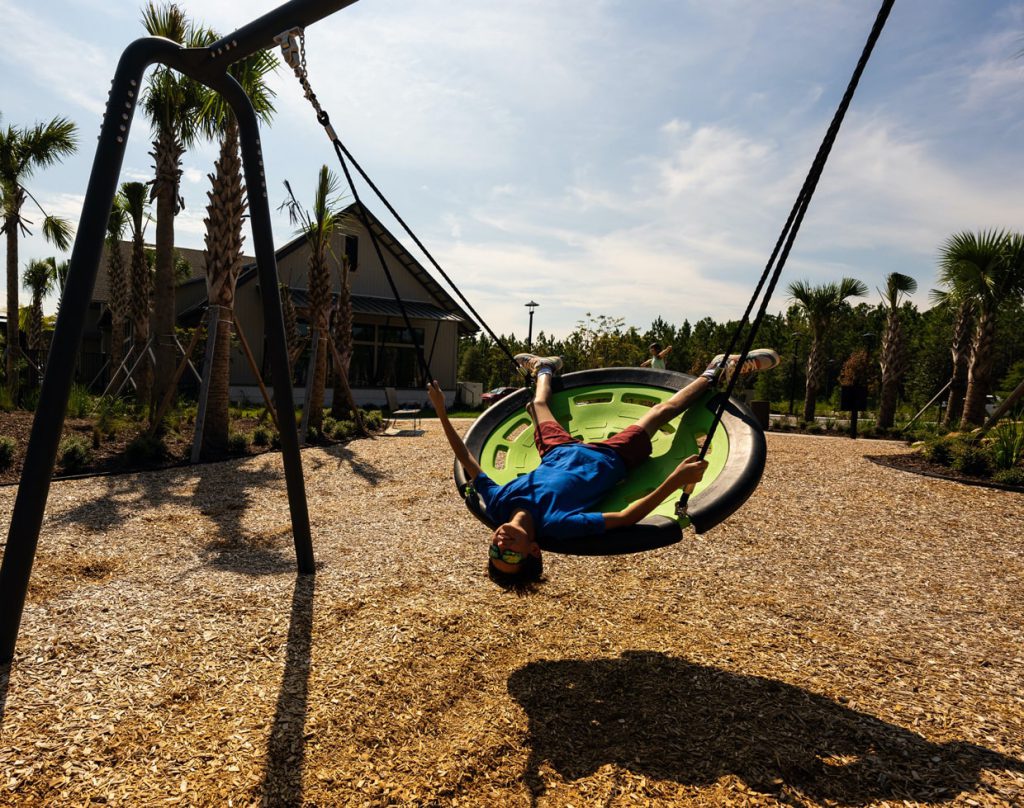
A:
(38, 279)
(893, 360)
(22, 151)
(140, 287)
(987, 267)
(821, 304)
(319, 229)
(119, 300)
(172, 103)
(341, 334)
(962, 304)
(224, 237)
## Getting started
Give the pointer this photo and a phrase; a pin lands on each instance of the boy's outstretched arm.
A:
(462, 454)
(688, 473)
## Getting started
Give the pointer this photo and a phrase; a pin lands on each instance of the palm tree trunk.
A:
(167, 154)
(217, 425)
(892, 365)
(143, 374)
(960, 350)
(979, 374)
(119, 307)
(11, 229)
(342, 336)
(316, 392)
(815, 368)
(223, 265)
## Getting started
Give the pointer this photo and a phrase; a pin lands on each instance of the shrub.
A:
(6, 402)
(275, 440)
(7, 447)
(30, 399)
(328, 426)
(238, 443)
(313, 435)
(939, 450)
(344, 430)
(1014, 476)
(261, 436)
(145, 449)
(1007, 444)
(374, 419)
(74, 454)
(972, 460)
(79, 402)
(815, 428)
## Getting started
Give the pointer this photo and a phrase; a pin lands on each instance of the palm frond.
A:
(57, 231)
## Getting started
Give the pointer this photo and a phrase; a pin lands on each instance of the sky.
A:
(628, 158)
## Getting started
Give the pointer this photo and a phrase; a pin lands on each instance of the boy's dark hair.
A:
(530, 571)
(655, 346)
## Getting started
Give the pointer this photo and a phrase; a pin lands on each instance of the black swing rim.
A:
(719, 500)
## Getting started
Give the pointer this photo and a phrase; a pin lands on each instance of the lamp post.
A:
(529, 334)
(792, 370)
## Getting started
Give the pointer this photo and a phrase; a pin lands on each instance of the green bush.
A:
(275, 440)
(814, 428)
(74, 454)
(6, 402)
(328, 425)
(313, 435)
(30, 399)
(7, 447)
(344, 430)
(1007, 444)
(145, 449)
(238, 443)
(261, 436)
(374, 419)
(79, 402)
(939, 450)
(973, 460)
(1014, 476)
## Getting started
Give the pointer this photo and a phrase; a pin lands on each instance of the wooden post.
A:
(213, 326)
(343, 377)
(304, 428)
(252, 364)
(169, 395)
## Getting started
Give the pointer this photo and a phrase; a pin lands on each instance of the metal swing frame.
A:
(208, 66)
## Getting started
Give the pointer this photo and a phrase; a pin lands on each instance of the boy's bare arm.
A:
(687, 473)
(462, 454)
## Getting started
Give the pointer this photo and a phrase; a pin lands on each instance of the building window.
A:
(352, 252)
(397, 364)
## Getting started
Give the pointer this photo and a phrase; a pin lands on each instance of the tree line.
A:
(967, 345)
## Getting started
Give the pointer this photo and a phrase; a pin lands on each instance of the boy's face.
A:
(515, 538)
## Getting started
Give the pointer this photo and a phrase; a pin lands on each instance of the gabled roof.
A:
(451, 311)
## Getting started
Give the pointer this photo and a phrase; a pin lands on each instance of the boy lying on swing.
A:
(555, 500)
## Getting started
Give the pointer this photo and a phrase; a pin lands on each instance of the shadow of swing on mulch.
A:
(669, 719)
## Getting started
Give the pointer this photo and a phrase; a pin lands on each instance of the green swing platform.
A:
(596, 404)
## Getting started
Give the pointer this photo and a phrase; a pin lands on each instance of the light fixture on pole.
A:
(529, 334)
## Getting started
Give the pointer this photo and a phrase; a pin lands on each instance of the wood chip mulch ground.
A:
(853, 636)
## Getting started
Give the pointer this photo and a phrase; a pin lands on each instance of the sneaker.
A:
(758, 359)
(531, 363)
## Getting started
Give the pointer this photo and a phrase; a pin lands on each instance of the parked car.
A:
(498, 393)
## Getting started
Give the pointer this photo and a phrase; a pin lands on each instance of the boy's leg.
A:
(540, 408)
(660, 414)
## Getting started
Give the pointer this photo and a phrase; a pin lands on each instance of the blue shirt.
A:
(560, 493)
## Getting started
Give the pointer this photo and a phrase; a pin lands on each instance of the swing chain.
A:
(293, 51)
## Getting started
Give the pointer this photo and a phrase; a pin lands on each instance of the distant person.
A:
(657, 358)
